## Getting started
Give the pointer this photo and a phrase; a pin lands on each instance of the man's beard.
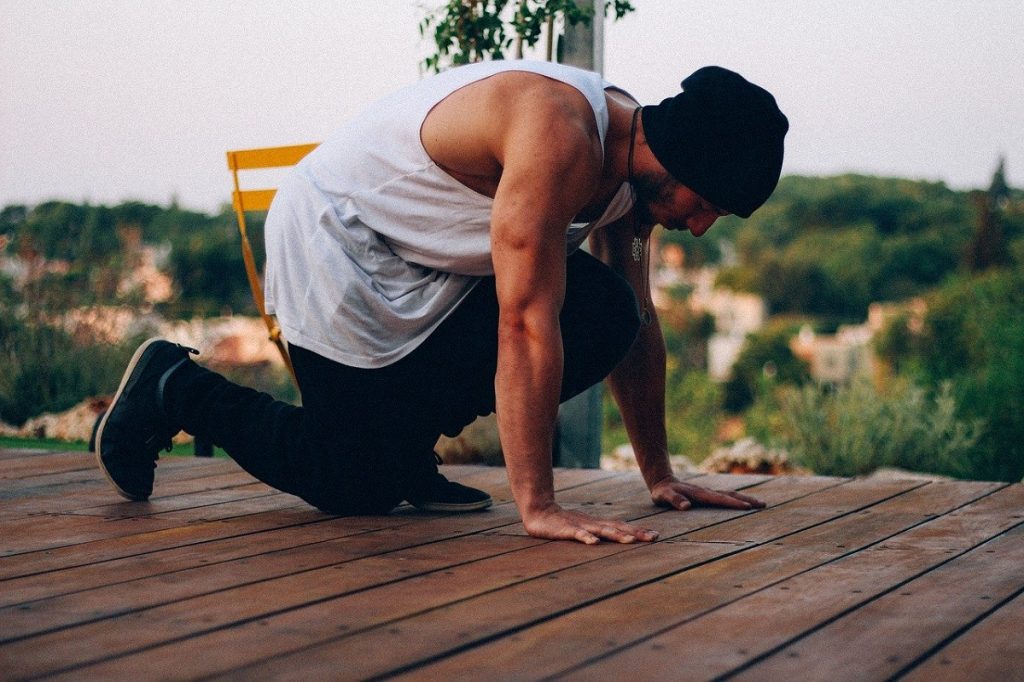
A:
(648, 189)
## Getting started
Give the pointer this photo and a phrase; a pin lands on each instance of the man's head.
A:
(721, 137)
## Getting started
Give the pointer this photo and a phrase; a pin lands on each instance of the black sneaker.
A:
(135, 427)
(441, 495)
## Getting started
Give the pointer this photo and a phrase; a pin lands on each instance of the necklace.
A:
(641, 249)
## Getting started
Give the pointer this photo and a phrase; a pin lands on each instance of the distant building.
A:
(737, 314)
(836, 358)
(848, 354)
(723, 351)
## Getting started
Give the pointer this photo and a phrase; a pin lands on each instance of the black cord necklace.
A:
(641, 249)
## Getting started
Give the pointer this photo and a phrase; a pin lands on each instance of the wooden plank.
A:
(49, 532)
(114, 547)
(439, 621)
(199, 497)
(214, 551)
(28, 471)
(46, 532)
(91, 478)
(50, 463)
(581, 634)
(299, 574)
(719, 642)
(990, 650)
(119, 547)
(38, 587)
(907, 621)
(84, 499)
(209, 566)
(298, 625)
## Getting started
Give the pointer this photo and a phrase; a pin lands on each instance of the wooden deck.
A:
(220, 576)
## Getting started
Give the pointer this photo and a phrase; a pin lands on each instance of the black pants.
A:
(364, 438)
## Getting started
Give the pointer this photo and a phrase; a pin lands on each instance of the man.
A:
(423, 265)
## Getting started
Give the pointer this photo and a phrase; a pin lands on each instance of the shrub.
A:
(972, 337)
(765, 361)
(43, 369)
(691, 416)
(855, 429)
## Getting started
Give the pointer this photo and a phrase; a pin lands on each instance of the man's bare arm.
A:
(551, 160)
(638, 382)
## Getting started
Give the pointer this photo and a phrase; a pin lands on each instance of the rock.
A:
(747, 456)
(73, 424)
(478, 443)
(895, 474)
(622, 459)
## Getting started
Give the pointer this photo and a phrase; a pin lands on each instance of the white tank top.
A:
(371, 245)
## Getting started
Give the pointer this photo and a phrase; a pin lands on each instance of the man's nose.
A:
(700, 223)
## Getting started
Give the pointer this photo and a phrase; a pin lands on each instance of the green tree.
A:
(988, 246)
(829, 246)
(465, 31)
(766, 361)
(972, 338)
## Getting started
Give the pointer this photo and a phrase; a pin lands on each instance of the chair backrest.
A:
(245, 200)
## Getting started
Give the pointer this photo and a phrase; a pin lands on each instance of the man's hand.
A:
(555, 523)
(671, 492)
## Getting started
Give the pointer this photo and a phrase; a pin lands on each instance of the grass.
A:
(8, 442)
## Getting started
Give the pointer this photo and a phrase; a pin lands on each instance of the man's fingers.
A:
(715, 498)
(617, 531)
(753, 501)
(567, 525)
(679, 501)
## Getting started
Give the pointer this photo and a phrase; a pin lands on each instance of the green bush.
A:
(972, 337)
(691, 416)
(43, 369)
(765, 361)
(854, 430)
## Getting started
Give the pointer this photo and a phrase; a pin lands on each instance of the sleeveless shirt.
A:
(371, 245)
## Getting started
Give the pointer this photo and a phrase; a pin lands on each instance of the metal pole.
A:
(578, 442)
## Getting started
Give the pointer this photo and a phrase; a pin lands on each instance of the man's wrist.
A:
(536, 507)
(653, 475)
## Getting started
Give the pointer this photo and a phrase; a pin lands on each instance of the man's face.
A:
(664, 201)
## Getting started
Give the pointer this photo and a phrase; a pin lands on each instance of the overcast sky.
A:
(107, 100)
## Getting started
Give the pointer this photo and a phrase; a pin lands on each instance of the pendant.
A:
(638, 249)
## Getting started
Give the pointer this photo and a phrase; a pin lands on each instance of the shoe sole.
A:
(455, 507)
(103, 422)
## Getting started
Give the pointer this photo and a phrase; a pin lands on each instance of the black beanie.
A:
(722, 137)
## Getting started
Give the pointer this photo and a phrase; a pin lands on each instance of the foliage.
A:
(44, 369)
(765, 361)
(691, 398)
(855, 429)
(691, 411)
(78, 255)
(208, 269)
(829, 246)
(465, 31)
(988, 246)
(83, 253)
(972, 337)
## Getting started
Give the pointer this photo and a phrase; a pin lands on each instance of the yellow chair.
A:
(245, 200)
